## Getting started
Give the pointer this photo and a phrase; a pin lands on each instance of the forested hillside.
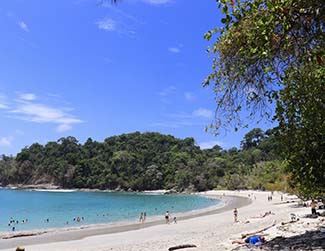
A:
(147, 161)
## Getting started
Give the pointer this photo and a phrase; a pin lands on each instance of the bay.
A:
(59, 209)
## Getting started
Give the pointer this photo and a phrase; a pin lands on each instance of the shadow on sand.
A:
(311, 240)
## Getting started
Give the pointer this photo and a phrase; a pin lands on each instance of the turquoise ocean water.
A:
(95, 207)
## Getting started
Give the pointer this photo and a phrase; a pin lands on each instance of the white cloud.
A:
(210, 144)
(3, 102)
(41, 113)
(63, 128)
(5, 141)
(25, 108)
(27, 96)
(175, 120)
(174, 50)
(157, 2)
(3, 106)
(23, 26)
(189, 96)
(203, 113)
(107, 24)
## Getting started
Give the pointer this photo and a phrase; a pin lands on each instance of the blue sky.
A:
(73, 67)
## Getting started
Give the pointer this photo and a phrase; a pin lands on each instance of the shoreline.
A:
(55, 188)
(48, 236)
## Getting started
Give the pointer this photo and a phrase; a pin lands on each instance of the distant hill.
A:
(144, 161)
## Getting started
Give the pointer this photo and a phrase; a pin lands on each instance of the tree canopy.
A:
(272, 51)
(144, 161)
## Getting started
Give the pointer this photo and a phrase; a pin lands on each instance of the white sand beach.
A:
(207, 231)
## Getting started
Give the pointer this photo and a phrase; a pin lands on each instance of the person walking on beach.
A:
(167, 216)
(141, 217)
(235, 215)
(313, 206)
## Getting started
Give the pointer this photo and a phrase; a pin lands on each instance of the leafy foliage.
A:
(142, 162)
(259, 42)
(301, 113)
(273, 51)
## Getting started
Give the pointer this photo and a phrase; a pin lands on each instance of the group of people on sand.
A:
(259, 239)
(252, 196)
(143, 216)
(168, 218)
(259, 216)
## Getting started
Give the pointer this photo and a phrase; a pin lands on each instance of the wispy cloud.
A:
(63, 128)
(211, 144)
(23, 26)
(28, 107)
(189, 96)
(203, 113)
(6, 141)
(107, 24)
(198, 117)
(176, 124)
(27, 96)
(41, 113)
(165, 125)
(174, 50)
(3, 102)
(112, 25)
(121, 15)
(3, 106)
(157, 2)
(167, 91)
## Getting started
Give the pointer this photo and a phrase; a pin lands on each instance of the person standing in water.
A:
(144, 216)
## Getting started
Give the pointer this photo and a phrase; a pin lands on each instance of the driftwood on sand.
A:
(257, 232)
(181, 247)
(288, 222)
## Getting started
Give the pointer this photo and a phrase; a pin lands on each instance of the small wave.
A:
(55, 190)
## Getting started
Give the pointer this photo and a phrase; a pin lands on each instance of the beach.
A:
(210, 229)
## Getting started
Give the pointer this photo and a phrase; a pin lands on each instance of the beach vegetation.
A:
(268, 62)
(145, 161)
